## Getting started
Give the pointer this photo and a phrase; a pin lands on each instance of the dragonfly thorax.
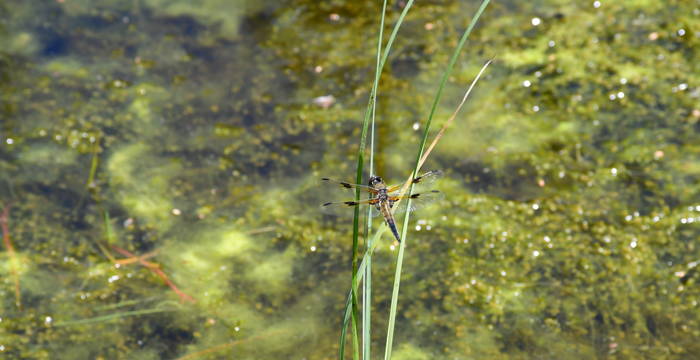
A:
(382, 195)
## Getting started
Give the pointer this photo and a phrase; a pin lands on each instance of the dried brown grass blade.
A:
(441, 133)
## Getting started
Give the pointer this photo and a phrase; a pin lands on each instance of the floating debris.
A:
(325, 101)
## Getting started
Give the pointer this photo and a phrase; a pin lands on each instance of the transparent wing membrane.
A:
(424, 179)
(418, 200)
(346, 208)
(344, 185)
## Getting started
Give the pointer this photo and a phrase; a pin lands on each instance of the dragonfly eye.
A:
(374, 180)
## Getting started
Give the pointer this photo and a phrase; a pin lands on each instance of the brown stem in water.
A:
(155, 268)
(14, 261)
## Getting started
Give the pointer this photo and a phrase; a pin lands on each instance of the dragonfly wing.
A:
(344, 185)
(418, 200)
(346, 208)
(428, 177)
(424, 179)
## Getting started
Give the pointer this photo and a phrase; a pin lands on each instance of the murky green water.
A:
(149, 140)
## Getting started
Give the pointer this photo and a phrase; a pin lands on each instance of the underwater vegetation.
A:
(158, 164)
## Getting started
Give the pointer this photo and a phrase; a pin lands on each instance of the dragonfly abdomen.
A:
(389, 218)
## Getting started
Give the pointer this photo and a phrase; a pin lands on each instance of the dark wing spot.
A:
(326, 204)
(350, 203)
(429, 173)
(347, 185)
(325, 179)
(413, 196)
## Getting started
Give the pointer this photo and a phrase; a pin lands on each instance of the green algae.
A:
(140, 184)
(569, 230)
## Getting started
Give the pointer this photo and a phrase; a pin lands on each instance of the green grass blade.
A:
(367, 284)
(360, 167)
(404, 229)
(361, 272)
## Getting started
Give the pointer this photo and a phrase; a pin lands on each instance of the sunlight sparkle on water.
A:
(527, 83)
(416, 126)
(313, 248)
(596, 4)
(9, 141)
(536, 21)
(535, 108)
(535, 253)
(681, 32)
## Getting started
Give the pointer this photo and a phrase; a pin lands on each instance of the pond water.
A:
(159, 163)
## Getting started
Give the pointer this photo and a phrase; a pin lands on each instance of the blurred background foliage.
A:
(190, 136)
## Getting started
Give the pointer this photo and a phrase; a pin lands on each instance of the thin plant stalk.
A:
(367, 284)
(111, 317)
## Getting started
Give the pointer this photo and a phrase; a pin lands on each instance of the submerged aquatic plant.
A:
(569, 231)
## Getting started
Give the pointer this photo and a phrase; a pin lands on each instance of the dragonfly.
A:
(383, 197)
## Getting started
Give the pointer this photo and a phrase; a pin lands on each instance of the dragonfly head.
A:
(375, 180)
